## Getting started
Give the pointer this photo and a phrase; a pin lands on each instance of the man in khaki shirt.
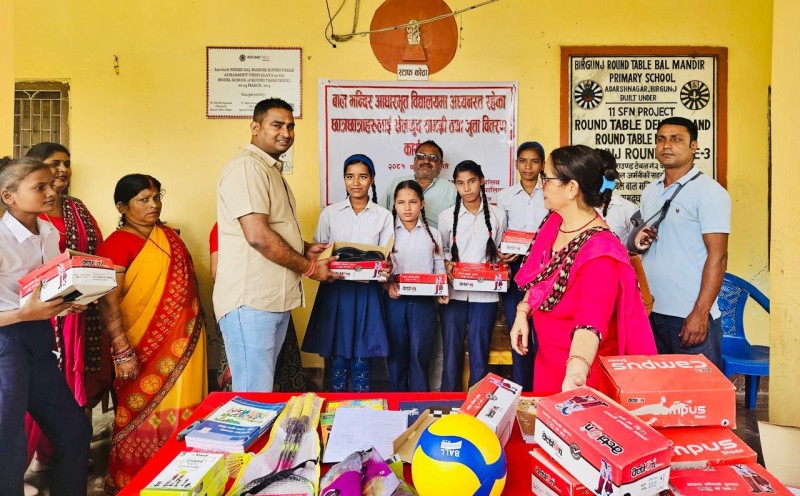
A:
(262, 254)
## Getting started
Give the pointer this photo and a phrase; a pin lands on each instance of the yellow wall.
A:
(6, 77)
(785, 273)
(150, 118)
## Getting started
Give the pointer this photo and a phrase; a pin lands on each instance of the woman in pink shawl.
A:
(581, 289)
(82, 355)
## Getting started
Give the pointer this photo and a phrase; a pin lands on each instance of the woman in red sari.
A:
(581, 289)
(85, 362)
(156, 327)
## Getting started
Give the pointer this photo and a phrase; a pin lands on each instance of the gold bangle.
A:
(588, 365)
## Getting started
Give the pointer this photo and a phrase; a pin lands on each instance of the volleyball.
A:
(458, 455)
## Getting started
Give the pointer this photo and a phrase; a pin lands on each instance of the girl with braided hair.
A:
(412, 328)
(348, 324)
(471, 231)
(580, 288)
(523, 204)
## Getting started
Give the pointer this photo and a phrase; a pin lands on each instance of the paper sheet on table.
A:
(358, 429)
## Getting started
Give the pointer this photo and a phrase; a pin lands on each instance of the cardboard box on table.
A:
(359, 271)
(191, 473)
(699, 447)
(488, 277)
(548, 478)
(74, 276)
(518, 242)
(601, 444)
(670, 390)
(745, 479)
(493, 401)
(422, 284)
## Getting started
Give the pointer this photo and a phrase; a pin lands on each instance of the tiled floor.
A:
(746, 421)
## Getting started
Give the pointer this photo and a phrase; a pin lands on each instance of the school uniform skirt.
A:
(348, 320)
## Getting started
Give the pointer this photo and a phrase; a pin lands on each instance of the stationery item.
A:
(326, 420)
(190, 474)
(289, 463)
(189, 428)
(234, 426)
(436, 408)
(359, 429)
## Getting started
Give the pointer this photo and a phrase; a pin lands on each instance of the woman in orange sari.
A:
(156, 327)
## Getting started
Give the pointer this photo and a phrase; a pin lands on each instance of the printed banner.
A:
(617, 101)
(386, 121)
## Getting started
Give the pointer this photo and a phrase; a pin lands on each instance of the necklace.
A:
(596, 215)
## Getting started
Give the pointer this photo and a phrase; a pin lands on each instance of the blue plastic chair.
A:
(738, 355)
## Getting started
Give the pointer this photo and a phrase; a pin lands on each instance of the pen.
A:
(189, 428)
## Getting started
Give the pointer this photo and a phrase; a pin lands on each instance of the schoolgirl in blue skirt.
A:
(471, 231)
(412, 319)
(523, 204)
(348, 323)
(29, 376)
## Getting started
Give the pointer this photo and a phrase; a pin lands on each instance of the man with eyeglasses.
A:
(440, 194)
(684, 241)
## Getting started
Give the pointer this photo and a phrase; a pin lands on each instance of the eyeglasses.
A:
(430, 156)
(545, 179)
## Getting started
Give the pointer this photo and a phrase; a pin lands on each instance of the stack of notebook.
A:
(234, 426)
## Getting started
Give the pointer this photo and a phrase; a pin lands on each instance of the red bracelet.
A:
(311, 269)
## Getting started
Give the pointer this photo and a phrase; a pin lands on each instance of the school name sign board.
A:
(388, 120)
(614, 98)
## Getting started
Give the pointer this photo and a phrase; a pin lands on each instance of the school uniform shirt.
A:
(524, 212)
(619, 216)
(339, 222)
(414, 250)
(471, 239)
(439, 195)
(21, 251)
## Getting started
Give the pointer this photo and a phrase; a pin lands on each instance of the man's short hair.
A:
(433, 144)
(690, 126)
(264, 106)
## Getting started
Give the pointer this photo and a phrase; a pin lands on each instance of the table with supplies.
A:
(517, 452)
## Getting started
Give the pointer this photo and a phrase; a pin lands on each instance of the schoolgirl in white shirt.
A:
(411, 319)
(348, 324)
(471, 231)
(620, 210)
(29, 376)
(523, 204)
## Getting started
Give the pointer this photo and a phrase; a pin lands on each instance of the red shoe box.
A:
(359, 271)
(670, 390)
(422, 284)
(601, 444)
(518, 242)
(493, 401)
(699, 447)
(548, 478)
(74, 276)
(742, 479)
(480, 277)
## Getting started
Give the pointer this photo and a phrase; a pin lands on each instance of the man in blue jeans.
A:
(685, 245)
(262, 255)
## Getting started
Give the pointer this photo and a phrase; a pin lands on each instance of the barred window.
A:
(41, 110)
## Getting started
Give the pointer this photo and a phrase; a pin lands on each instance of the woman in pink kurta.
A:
(581, 290)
